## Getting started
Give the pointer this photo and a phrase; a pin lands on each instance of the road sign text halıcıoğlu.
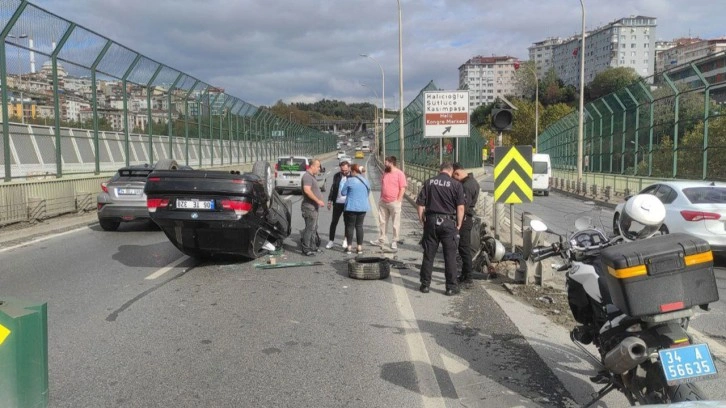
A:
(446, 114)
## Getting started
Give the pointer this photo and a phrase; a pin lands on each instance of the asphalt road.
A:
(134, 323)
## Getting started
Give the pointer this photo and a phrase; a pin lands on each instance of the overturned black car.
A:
(208, 213)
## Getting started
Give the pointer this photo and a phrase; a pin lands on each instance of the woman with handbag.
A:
(356, 189)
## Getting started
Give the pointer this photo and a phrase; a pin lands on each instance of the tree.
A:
(525, 80)
(610, 81)
(481, 117)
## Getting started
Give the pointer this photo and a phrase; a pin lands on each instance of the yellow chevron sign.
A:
(513, 174)
(4, 333)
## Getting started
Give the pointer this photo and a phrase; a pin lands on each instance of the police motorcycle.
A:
(633, 296)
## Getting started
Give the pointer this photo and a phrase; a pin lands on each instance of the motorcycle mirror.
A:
(538, 226)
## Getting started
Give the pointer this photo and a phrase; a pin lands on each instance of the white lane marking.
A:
(428, 386)
(167, 268)
(45, 238)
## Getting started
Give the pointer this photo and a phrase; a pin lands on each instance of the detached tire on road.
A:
(369, 268)
(166, 164)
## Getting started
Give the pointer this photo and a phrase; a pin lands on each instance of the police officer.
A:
(441, 211)
(471, 195)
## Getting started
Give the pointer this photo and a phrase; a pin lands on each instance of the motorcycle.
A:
(644, 348)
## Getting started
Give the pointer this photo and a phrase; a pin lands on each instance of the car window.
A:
(663, 193)
(539, 167)
(705, 195)
(292, 164)
(649, 189)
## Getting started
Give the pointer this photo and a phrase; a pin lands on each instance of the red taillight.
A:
(100, 205)
(239, 207)
(153, 179)
(153, 203)
(689, 215)
(104, 187)
(305, 167)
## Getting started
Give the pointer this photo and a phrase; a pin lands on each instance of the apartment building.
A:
(487, 77)
(542, 53)
(685, 50)
(627, 42)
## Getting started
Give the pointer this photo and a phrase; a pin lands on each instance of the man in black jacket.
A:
(471, 195)
(337, 202)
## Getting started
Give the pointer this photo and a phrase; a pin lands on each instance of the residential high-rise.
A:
(542, 53)
(687, 50)
(486, 78)
(627, 42)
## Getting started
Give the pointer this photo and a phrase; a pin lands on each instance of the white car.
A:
(345, 158)
(341, 153)
(289, 171)
(697, 208)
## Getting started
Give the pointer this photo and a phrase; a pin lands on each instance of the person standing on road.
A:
(311, 203)
(441, 209)
(393, 186)
(471, 195)
(337, 202)
(356, 190)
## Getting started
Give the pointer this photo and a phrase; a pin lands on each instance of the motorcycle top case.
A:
(662, 274)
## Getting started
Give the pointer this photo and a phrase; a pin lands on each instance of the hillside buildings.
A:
(684, 50)
(487, 77)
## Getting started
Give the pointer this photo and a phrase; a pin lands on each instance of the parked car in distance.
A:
(289, 171)
(697, 208)
(359, 154)
(122, 198)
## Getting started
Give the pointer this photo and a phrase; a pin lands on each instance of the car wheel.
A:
(663, 230)
(262, 170)
(546, 193)
(108, 225)
(166, 164)
(279, 191)
(369, 268)
(616, 220)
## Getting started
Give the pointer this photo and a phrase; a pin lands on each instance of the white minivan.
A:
(541, 173)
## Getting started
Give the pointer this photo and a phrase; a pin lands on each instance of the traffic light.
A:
(502, 118)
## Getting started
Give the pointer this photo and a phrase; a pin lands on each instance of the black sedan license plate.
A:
(195, 204)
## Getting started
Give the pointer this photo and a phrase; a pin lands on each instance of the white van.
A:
(541, 173)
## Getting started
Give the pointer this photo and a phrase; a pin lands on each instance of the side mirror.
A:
(538, 226)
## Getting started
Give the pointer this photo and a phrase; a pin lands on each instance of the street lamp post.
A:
(582, 101)
(400, 87)
(383, 104)
(20, 78)
(375, 116)
(536, 108)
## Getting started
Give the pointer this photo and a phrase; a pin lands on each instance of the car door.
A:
(279, 216)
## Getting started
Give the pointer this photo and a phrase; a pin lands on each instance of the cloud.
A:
(306, 50)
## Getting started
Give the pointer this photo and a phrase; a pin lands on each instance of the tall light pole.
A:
(383, 104)
(375, 124)
(582, 101)
(400, 86)
(20, 77)
(536, 107)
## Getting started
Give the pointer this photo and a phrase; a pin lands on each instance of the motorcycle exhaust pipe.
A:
(626, 355)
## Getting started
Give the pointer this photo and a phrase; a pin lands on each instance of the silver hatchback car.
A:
(697, 208)
(122, 198)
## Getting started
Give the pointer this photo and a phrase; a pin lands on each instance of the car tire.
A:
(663, 230)
(263, 170)
(546, 193)
(108, 225)
(369, 268)
(166, 164)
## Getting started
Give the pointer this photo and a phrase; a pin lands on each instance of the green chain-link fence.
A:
(79, 103)
(426, 153)
(670, 125)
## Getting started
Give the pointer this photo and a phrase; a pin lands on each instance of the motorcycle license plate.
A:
(685, 364)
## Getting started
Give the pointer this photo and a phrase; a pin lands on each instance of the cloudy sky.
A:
(306, 50)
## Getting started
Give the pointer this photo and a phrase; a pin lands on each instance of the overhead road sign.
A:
(513, 174)
(446, 114)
